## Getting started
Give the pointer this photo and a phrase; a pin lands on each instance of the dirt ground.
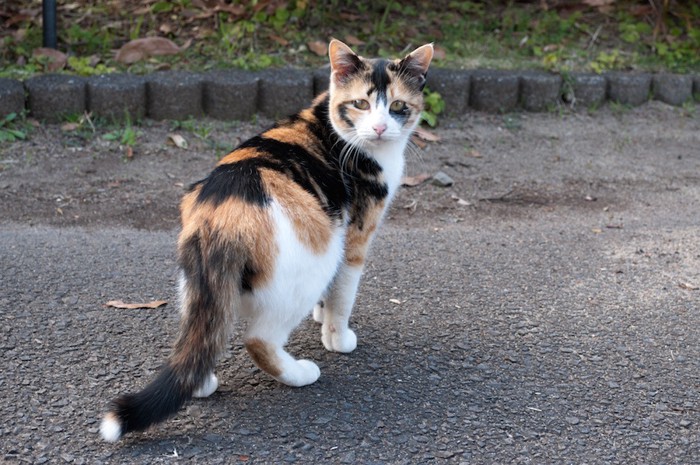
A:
(501, 165)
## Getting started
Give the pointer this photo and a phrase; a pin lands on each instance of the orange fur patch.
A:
(357, 240)
(247, 228)
(238, 155)
(264, 356)
(311, 224)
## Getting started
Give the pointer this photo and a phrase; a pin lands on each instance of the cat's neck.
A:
(390, 157)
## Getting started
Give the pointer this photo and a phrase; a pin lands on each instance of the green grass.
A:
(261, 34)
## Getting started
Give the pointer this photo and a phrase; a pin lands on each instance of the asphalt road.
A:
(551, 317)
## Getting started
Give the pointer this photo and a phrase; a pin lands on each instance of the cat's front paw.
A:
(344, 341)
(300, 373)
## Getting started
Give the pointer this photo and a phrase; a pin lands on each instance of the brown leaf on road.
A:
(413, 181)
(56, 59)
(140, 49)
(474, 153)
(318, 47)
(688, 286)
(132, 306)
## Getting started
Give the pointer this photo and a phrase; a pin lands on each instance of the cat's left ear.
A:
(417, 62)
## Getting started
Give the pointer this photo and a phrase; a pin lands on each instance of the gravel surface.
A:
(543, 309)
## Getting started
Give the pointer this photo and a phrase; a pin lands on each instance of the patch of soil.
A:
(548, 162)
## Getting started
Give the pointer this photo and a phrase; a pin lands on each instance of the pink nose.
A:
(379, 129)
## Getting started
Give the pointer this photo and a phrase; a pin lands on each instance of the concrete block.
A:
(494, 91)
(11, 97)
(174, 95)
(283, 92)
(52, 97)
(674, 89)
(117, 96)
(453, 86)
(629, 88)
(230, 94)
(585, 90)
(321, 79)
(539, 91)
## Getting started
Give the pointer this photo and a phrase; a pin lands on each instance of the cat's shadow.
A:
(386, 386)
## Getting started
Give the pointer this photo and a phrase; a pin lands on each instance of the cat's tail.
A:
(210, 287)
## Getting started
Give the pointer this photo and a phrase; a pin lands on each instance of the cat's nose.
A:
(379, 129)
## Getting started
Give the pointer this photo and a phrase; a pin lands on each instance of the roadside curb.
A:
(239, 95)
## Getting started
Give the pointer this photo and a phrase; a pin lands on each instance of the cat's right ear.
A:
(344, 62)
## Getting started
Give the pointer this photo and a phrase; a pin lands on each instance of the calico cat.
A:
(282, 223)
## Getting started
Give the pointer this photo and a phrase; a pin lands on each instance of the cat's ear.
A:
(344, 62)
(417, 62)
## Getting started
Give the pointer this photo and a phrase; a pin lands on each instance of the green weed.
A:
(11, 129)
(126, 135)
(433, 106)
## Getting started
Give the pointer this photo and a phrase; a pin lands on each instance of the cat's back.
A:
(279, 186)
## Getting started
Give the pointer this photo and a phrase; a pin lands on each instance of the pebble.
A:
(442, 179)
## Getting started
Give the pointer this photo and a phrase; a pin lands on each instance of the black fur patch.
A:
(321, 178)
(379, 79)
(240, 180)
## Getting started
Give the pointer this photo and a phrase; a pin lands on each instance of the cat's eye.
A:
(398, 106)
(361, 104)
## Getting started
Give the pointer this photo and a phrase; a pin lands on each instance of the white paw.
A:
(208, 387)
(338, 341)
(318, 312)
(304, 372)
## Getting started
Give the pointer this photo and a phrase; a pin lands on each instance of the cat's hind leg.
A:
(265, 341)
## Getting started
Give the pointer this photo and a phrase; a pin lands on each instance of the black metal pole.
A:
(48, 14)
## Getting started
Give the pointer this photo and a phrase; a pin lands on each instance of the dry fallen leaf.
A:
(418, 141)
(438, 52)
(177, 140)
(67, 127)
(280, 40)
(132, 306)
(354, 40)
(688, 286)
(140, 49)
(56, 60)
(413, 181)
(426, 135)
(461, 201)
(319, 47)
(473, 153)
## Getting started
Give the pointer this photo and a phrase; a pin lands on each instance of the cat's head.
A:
(376, 101)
